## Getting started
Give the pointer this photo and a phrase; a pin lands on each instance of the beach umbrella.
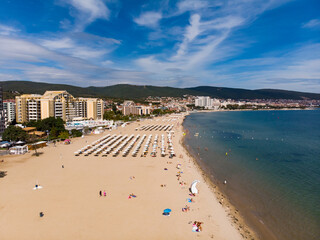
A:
(193, 187)
(167, 210)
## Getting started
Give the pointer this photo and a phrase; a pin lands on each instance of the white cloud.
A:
(192, 31)
(81, 45)
(87, 11)
(62, 43)
(29, 60)
(204, 44)
(148, 19)
(107, 63)
(295, 70)
(7, 30)
(314, 23)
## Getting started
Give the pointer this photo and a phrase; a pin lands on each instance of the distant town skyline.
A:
(234, 43)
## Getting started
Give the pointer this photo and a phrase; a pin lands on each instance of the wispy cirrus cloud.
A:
(7, 30)
(314, 23)
(283, 70)
(81, 45)
(85, 12)
(204, 39)
(50, 61)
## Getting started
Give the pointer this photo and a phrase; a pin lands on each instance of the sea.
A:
(270, 161)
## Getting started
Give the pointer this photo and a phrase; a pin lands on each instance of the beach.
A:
(73, 208)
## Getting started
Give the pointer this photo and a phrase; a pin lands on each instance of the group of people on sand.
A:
(196, 227)
(132, 196)
(104, 193)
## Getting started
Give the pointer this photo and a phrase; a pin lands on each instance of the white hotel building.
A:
(207, 102)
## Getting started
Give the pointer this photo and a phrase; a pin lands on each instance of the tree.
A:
(54, 125)
(13, 133)
(54, 132)
(64, 135)
(109, 115)
(114, 108)
(76, 133)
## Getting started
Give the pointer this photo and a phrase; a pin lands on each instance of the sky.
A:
(250, 44)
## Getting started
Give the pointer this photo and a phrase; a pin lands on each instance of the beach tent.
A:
(193, 187)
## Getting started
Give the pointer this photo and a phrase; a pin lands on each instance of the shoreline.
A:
(251, 225)
(249, 110)
(233, 213)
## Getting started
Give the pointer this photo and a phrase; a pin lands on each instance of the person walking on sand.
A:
(104, 193)
(100, 193)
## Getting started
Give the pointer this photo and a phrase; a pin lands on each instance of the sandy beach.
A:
(73, 208)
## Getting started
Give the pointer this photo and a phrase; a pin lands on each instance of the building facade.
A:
(129, 107)
(28, 107)
(10, 108)
(57, 104)
(207, 102)
(2, 114)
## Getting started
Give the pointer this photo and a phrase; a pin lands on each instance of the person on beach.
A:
(100, 193)
(104, 193)
(186, 209)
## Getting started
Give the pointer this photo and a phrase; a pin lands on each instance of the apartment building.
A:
(57, 104)
(2, 113)
(129, 107)
(28, 107)
(10, 108)
(207, 102)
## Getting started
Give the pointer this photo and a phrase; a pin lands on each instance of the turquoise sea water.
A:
(271, 162)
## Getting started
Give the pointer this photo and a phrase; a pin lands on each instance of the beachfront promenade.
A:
(142, 167)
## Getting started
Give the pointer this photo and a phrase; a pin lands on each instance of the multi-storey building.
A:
(10, 108)
(2, 114)
(207, 102)
(57, 104)
(129, 107)
(28, 107)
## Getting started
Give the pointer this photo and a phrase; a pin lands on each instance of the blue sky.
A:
(249, 44)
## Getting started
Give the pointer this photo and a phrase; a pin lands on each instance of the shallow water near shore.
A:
(271, 162)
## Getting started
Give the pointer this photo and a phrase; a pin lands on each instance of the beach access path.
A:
(72, 206)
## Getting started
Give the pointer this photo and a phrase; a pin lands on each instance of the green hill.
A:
(126, 91)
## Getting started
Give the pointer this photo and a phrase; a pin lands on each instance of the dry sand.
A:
(73, 208)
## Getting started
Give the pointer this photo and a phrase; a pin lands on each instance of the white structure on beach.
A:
(80, 124)
(19, 150)
(207, 102)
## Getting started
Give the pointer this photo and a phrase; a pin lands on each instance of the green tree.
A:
(50, 122)
(64, 135)
(54, 125)
(114, 108)
(76, 133)
(54, 132)
(13, 133)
